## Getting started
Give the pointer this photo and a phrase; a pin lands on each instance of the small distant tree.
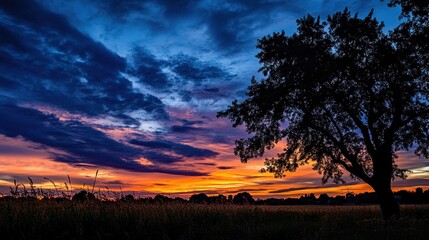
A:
(350, 197)
(419, 191)
(243, 198)
(323, 198)
(128, 198)
(419, 195)
(344, 95)
(219, 199)
(199, 198)
(161, 199)
(83, 196)
(307, 199)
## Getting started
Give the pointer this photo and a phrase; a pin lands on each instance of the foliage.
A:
(243, 198)
(199, 198)
(342, 93)
(83, 196)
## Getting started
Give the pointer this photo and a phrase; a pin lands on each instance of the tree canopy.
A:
(344, 94)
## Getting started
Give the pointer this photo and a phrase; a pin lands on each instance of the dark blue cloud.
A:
(121, 9)
(148, 69)
(212, 90)
(181, 149)
(127, 120)
(186, 129)
(228, 28)
(79, 143)
(160, 158)
(189, 77)
(206, 79)
(8, 84)
(172, 10)
(47, 60)
(179, 8)
(191, 69)
(228, 32)
(230, 25)
(191, 122)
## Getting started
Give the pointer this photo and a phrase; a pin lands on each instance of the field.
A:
(122, 220)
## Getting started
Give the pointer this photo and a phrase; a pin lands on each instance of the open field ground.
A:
(122, 220)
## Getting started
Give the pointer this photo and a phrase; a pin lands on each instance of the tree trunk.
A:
(382, 180)
(388, 204)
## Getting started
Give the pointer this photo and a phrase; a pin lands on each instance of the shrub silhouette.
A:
(243, 198)
(162, 199)
(83, 196)
(128, 198)
(199, 198)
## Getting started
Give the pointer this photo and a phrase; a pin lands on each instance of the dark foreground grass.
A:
(118, 220)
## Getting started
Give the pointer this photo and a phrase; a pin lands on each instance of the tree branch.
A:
(364, 129)
(357, 168)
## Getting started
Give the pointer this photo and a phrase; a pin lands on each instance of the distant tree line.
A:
(419, 196)
(404, 197)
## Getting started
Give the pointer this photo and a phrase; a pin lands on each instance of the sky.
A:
(132, 88)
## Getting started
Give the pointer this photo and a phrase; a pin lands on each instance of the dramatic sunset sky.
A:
(131, 88)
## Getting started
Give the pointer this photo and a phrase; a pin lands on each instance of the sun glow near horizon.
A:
(236, 177)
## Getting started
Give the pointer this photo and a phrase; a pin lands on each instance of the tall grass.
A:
(49, 219)
(66, 191)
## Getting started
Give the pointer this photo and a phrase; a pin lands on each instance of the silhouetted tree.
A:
(199, 198)
(419, 195)
(350, 197)
(323, 198)
(128, 198)
(219, 199)
(419, 191)
(243, 198)
(179, 200)
(161, 199)
(344, 95)
(83, 196)
(426, 196)
(308, 199)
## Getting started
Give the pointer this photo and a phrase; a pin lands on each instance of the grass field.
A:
(120, 220)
